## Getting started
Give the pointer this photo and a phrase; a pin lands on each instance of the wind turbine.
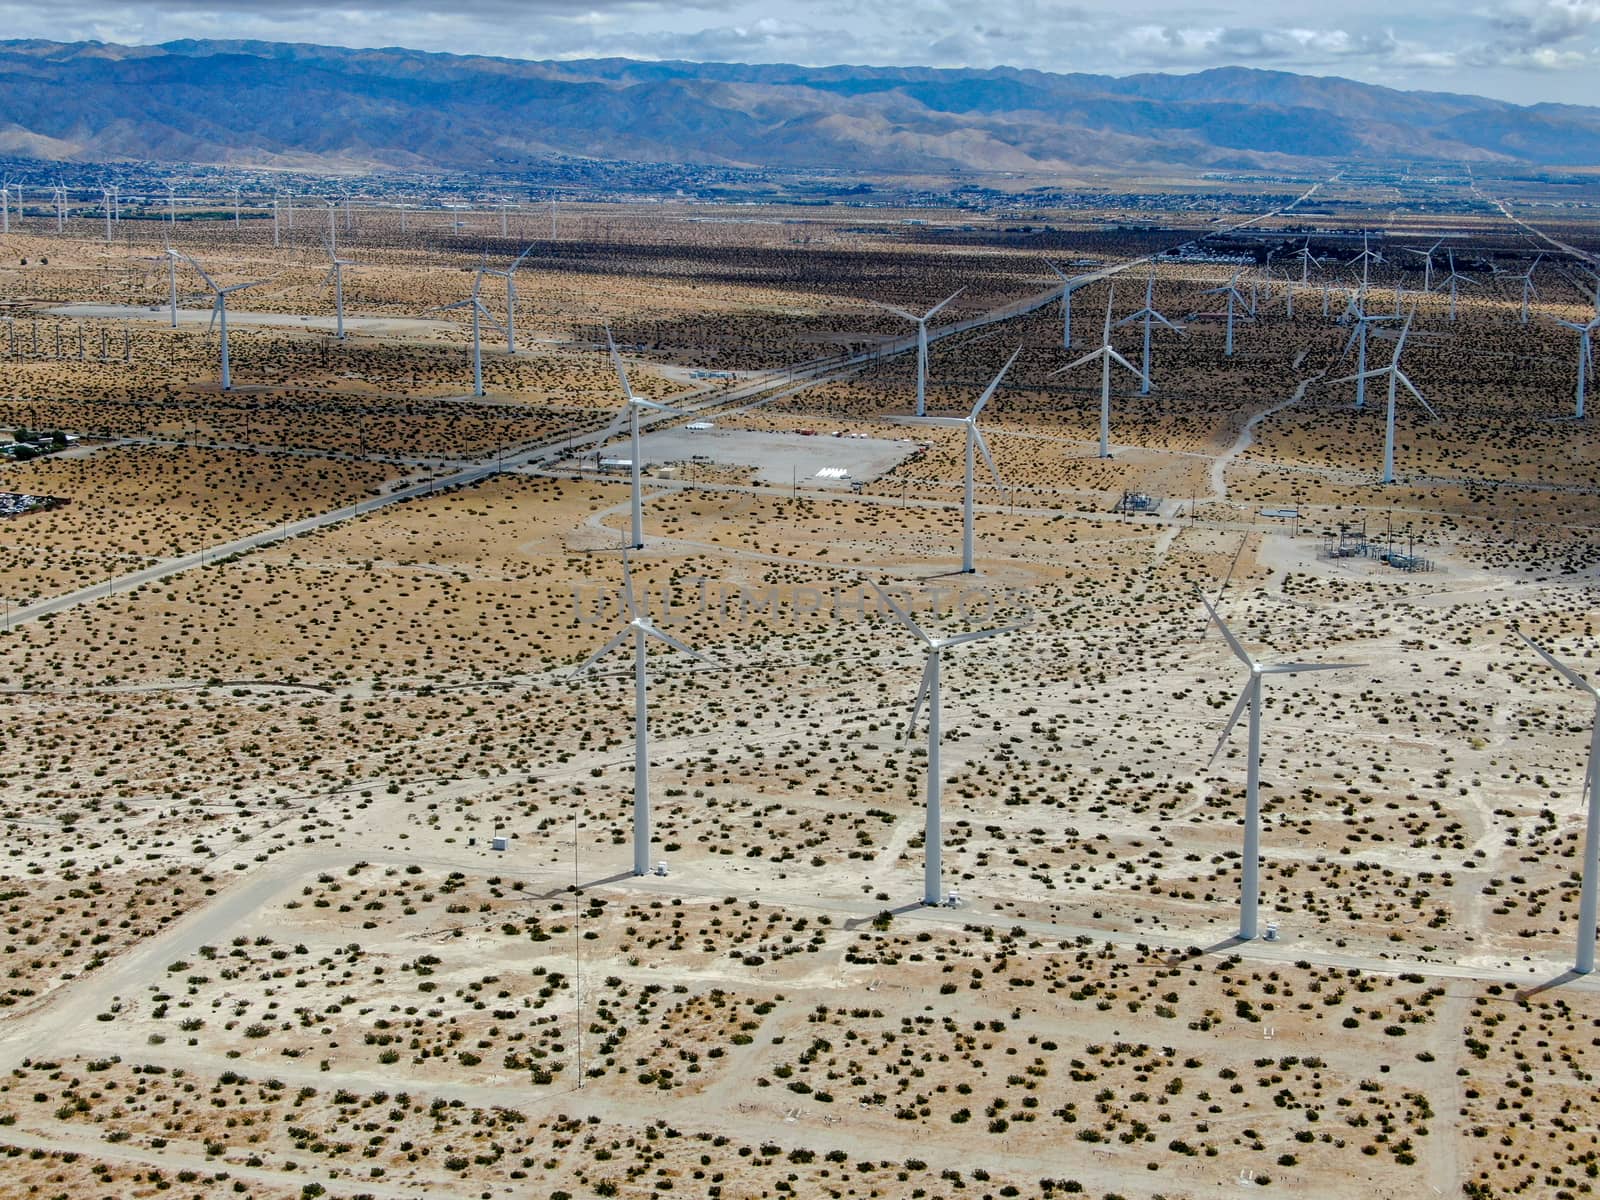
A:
(1584, 963)
(1528, 290)
(1306, 259)
(1396, 376)
(333, 227)
(1358, 337)
(1250, 696)
(928, 690)
(219, 309)
(642, 628)
(1148, 315)
(275, 241)
(105, 195)
(975, 444)
(510, 276)
(1106, 355)
(1585, 353)
(61, 207)
(5, 205)
(335, 276)
(1232, 293)
(1069, 284)
(1427, 263)
(1366, 258)
(922, 343)
(479, 314)
(629, 416)
(1453, 279)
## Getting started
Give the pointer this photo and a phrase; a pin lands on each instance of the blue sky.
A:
(1520, 50)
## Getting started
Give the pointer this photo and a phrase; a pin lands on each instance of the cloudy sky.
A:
(1520, 50)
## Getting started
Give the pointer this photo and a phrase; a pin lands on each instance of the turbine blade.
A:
(1233, 719)
(1577, 681)
(1411, 387)
(902, 614)
(943, 302)
(899, 312)
(1238, 649)
(1118, 358)
(983, 448)
(978, 636)
(669, 640)
(1089, 357)
(995, 383)
(616, 361)
(603, 651)
(1295, 668)
(923, 690)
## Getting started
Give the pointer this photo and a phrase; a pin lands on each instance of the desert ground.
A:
(318, 834)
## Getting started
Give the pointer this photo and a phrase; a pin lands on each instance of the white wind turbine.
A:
(1453, 279)
(333, 226)
(1232, 293)
(1148, 316)
(922, 343)
(1106, 355)
(1584, 962)
(510, 276)
(642, 629)
(479, 315)
(1069, 284)
(105, 195)
(1427, 263)
(1585, 334)
(1250, 697)
(928, 690)
(219, 310)
(1306, 259)
(1396, 376)
(1366, 258)
(975, 445)
(1529, 292)
(629, 416)
(1358, 338)
(5, 205)
(335, 276)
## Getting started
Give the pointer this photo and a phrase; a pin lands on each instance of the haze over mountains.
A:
(318, 107)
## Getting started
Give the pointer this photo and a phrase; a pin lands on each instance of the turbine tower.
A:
(928, 690)
(922, 343)
(975, 444)
(1583, 964)
(335, 276)
(1232, 293)
(219, 311)
(1148, 315)
(1069, 284)
(510, 276)
(1396, 376)
(629, 415)
(1250, 697)
(1585, 354)
(1106, 355)
(642, 629)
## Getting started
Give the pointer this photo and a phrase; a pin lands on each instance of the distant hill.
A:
(320, 107)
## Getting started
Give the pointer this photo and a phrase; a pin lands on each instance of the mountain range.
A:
(327, 108)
